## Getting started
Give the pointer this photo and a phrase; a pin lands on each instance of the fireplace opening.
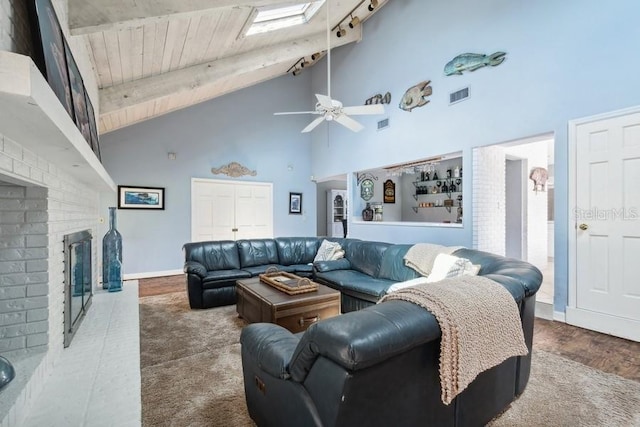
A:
(78, 288)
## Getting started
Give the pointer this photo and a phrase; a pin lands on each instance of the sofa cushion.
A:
(296, 250)
(217, 278)
(257, 252)
(392, 266)
(218, 255)
(356, 284)
(366, 257)
(259, 269)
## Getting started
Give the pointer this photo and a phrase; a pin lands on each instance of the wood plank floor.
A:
(600, 351)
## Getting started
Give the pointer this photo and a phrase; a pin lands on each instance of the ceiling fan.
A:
(332, 110)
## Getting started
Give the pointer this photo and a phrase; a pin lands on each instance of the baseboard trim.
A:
(544, 310)
(150, 274)
(559, 316)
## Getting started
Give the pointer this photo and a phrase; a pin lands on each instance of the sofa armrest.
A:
(339, 264)
(271, 346)
(193, 267)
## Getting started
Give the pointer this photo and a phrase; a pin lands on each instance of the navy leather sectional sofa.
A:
(375, 365)
(363, 275)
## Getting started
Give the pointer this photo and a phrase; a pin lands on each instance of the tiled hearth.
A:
(96, 382)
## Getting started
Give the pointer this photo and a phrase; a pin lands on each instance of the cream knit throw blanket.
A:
(421, 256)
(480, 326)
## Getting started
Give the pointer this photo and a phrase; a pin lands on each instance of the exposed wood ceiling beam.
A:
(89, 16)
(126, 95)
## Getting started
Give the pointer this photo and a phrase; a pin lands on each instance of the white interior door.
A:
(605, 294)
(254, 218)
(230, 210)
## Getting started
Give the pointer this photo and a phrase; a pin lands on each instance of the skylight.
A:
(270, 18)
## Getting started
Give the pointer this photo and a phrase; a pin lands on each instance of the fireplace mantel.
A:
(32, 115)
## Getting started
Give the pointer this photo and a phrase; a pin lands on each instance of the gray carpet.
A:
(192, 376)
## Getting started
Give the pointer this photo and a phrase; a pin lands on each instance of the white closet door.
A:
(230, 210)
(254, 216)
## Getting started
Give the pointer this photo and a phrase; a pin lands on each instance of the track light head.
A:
(315, 56)
(303, 63)
(354, 22)
(296, 71)
(341, 32)
(373, 5)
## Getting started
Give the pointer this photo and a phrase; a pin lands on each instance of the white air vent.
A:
(384, 123)
(459, 95)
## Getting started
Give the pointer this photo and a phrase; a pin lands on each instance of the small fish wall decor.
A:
(415, 96)
(472, 62)
(379, 99)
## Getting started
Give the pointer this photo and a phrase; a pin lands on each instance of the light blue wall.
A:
(565, 60)
(237, 127)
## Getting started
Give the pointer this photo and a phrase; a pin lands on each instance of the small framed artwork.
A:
(130, 197)
(295, 203)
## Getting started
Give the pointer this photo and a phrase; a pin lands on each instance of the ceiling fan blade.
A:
(325, 101)
(313, 124)
(364, 109)
(297, 112)
(348, 122)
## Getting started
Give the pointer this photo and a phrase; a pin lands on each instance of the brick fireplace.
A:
(51, 184)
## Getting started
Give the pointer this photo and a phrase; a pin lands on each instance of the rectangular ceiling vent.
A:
(458, 96)
(383, 124)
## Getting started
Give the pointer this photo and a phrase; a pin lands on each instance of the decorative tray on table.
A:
(288, 283)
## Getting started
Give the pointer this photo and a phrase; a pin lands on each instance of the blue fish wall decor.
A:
(472, 61)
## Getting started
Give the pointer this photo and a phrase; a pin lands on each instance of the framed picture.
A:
(49, 50)
(130, 197)
(295, 203)
(95, 143)
(78, 96)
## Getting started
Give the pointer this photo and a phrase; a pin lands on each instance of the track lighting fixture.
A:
(373, 5)
(303, 63)
(296, 71)
(354, 21)
(315, 56)
(341, 32)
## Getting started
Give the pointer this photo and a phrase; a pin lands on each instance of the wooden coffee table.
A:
(258, 302)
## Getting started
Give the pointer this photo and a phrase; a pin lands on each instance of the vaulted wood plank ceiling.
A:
(152, 57)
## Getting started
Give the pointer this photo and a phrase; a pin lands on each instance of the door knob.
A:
(583, 227)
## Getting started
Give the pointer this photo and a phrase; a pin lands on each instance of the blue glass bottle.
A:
(111, 251)
(115, 276)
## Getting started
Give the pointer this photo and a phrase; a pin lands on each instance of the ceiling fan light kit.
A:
(330, 109)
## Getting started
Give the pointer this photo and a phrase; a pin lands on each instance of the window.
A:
(274, 18)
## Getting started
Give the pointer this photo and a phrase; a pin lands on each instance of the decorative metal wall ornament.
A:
(379, 99)
(415, 96)
(234, 170)
(365, 175)
(366, 189)
(472, 62)
(539, 177)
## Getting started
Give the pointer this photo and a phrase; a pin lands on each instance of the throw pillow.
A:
(338, 254)
(407, 284)
(327, 250)
(447, 266)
